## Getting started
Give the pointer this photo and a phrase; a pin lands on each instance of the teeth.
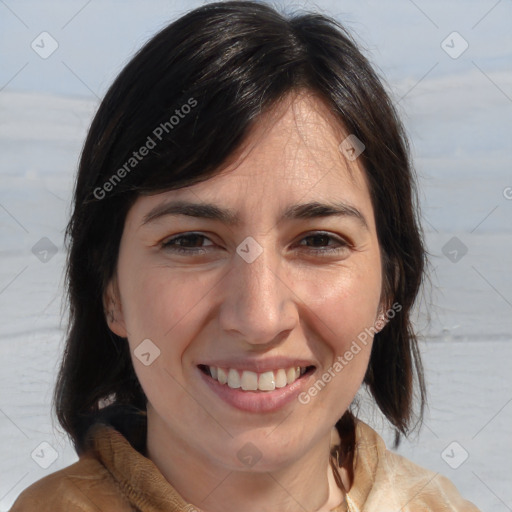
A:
(252, 381)
(281, 378)
(233, 379)
(249, 381)
(221, 375)
(267, 381)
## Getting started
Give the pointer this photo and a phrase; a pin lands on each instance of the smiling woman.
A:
(231, 294)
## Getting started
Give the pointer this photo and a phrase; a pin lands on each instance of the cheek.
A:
(343, 313)
(164, 306)
(344, 303)
(159, 300)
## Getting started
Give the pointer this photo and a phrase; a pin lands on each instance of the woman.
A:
(244, 254)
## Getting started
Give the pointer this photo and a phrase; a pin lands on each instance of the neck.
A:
(305, 484)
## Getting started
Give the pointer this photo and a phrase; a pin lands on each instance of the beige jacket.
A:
(114, 477)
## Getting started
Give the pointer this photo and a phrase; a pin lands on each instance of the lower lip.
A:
(257, 401)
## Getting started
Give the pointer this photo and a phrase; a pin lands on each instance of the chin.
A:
(267, 452)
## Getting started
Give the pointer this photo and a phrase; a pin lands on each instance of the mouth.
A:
(250, 381)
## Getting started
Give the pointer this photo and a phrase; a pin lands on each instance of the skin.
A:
(296, 299)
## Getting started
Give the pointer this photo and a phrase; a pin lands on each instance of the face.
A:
(240, 294)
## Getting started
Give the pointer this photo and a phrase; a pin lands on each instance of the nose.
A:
(258, 303)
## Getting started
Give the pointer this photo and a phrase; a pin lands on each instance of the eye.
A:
(324, 243)
(188, 243)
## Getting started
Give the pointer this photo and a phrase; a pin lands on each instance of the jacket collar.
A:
(145, 486)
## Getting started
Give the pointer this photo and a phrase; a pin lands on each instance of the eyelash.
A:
(182, 250)
(326, 251)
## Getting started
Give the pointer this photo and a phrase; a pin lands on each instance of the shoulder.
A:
(384, 481)
(85, 486)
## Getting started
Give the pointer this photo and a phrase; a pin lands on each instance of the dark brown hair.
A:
(229, 62)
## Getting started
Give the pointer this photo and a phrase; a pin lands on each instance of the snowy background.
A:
(457, 106)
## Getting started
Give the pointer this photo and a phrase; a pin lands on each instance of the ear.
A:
(113, 309)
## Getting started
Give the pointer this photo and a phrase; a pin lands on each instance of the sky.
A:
(95, 38)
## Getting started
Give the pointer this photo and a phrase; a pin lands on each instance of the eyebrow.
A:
(228, 216)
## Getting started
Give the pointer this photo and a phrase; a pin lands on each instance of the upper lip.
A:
(260, 365)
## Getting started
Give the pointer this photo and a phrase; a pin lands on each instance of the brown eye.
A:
(323, 243)
(188, 243)
(318, 240)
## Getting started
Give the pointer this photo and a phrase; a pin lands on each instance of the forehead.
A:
(298, 139)
(292, 154)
